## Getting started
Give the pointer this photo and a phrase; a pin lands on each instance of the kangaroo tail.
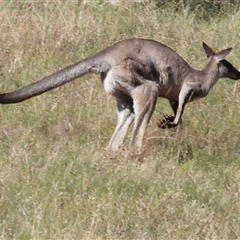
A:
(89, 65)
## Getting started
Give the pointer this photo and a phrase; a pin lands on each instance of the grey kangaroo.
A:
(136, 72)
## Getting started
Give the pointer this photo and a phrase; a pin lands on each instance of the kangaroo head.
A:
(225, 68)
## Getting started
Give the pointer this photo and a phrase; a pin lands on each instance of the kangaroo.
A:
(136, 72)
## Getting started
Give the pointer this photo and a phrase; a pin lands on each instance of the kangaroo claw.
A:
(166, 122)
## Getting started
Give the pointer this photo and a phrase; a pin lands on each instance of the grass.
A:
(56, 179)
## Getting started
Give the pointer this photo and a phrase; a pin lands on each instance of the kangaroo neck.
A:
(210, 75)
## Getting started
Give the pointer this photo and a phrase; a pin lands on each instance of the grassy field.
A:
(57, 181)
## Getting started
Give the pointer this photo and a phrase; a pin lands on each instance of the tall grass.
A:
(56, 179)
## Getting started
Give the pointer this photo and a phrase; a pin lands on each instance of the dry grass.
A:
(56, 179)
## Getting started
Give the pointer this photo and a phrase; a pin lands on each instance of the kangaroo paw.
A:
(165, 122)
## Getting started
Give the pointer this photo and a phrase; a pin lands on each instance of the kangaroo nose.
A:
(238, 75)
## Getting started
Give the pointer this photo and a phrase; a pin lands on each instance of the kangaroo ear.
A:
(222, 54)
(208, 50)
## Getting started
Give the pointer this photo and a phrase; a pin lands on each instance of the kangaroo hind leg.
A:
(144, 102)
(125, 119)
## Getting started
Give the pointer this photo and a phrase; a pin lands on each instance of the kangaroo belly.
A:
(169, 92)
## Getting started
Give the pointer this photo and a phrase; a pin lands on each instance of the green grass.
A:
(57, 181)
